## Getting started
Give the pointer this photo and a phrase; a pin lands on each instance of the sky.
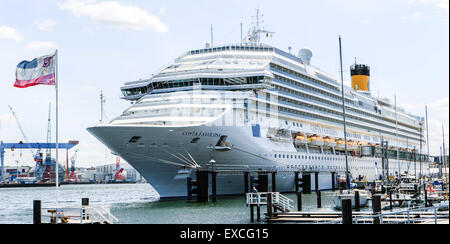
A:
(104, 43)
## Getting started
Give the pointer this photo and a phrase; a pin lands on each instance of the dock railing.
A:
(261, 198)
(409, 216)
(83, 215)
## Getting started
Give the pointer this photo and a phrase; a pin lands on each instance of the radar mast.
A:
(254, 34)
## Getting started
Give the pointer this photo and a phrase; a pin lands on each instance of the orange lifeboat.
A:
(352, 145)
(362, 143)
(300, 139)
(340, 143)
(316, 140)
(329, 141)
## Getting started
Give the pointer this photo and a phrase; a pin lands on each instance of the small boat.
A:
(340, 143)
(352, 145)
(300, 139)
(316, 140)
(363, 198)
(362, 143)
(329, 141)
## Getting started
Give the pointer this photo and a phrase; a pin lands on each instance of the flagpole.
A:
(57, 146)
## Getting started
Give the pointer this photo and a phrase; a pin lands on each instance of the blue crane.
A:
(38, 146)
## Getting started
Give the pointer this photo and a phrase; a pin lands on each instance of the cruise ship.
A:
(253, 106)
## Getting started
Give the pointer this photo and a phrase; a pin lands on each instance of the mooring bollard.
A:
(357, 201)
(319, 199)
(37, 212)
(299, 201)
(347, 217)
(376, 207)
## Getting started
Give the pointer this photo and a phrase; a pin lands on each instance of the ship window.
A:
(134, 139)
(195, 140)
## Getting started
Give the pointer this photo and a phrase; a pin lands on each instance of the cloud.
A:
(45, 25)
(39, 46)
(10, 33)
(120, 15)
(441, 5)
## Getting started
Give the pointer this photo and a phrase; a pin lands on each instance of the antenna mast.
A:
(254, 35)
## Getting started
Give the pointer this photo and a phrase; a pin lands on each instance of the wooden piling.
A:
(316, 181)
(296, 181)
(333, 181)
(263, 182)
(306, 182)
(426, 195)
(390, 199)
(376, 207)
(258, 213)
(357, 202)
(246, 175)
(252, 214)
(274, 181)
(214, 185)
(299, 201)
(319, 199)
(37, 212)
(202, 186)
(347, 218)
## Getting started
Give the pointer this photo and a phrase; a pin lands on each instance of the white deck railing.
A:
(261, 198)
(83, 215)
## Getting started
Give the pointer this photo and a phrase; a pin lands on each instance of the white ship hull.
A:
(163, 143)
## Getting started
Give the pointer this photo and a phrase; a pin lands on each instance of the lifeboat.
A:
(300, 139)
(370, 144)
(316, 140)
(340, 143)
(362, 143)
(329, 141)
(352, 145)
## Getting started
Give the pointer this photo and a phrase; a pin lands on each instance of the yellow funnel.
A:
(360, 77)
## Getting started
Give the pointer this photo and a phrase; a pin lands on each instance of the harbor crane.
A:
(25, 138)
(73, 174)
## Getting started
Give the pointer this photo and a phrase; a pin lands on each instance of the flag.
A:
(40, 71)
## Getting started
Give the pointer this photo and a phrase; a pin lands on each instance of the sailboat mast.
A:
(347, 173)
(445, 163)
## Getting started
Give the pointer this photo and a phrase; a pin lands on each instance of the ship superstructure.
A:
(251, 104)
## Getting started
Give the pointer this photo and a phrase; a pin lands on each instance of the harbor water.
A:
(138, 204)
